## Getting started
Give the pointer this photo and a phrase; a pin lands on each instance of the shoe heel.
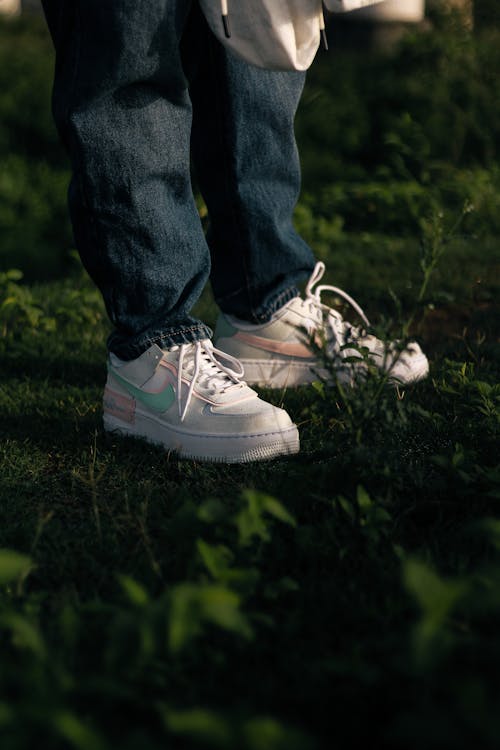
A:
(118, 406)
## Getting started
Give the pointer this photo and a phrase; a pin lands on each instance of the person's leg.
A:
(247, 165)
(248, 169)
(122, 108)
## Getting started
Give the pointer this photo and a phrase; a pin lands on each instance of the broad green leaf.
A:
(212, 511)
(194, 605)
(12, 566)
(200, 725)
(319, 387)
(380, 516)
(278, 510)
(251, 521)
(363, 499)
(437, 598)
(24, 634)
(346, 506)
(75, 732)
(13, 274)
(483, 388)
(216, 559)
(435, 595)
(265, 733)
(491, 527)
(221, 607)
(185, 621)
(135, 593)
(7, 714)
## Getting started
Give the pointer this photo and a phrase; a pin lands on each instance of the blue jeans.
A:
(141, 86)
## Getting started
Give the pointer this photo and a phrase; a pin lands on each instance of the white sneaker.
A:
(190, 399)
(284, 351)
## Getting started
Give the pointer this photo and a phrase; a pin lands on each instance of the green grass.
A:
(370, 611)
(347, 595)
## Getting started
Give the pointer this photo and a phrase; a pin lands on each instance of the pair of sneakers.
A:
(195, 399)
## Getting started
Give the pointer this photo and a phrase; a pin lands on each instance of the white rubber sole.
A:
(213, 448)
(285, 373)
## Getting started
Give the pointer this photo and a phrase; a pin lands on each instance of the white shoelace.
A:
(203, 364)
(315, 297)
(318, 310)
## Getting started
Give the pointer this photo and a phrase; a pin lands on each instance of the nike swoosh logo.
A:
(286, 348)
(159, 402)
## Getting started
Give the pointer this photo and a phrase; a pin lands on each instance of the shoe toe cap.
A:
(251, 416)
(411, 365)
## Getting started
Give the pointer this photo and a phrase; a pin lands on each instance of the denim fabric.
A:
(138, 85)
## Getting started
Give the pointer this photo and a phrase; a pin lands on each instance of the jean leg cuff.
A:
(266, 312)
(128, 349)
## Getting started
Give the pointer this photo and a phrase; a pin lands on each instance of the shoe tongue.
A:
(296, 303)
(305, 308)
(208, 369)
(209, 375)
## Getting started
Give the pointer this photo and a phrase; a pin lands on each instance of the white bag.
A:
(273, 34)
(344, 6)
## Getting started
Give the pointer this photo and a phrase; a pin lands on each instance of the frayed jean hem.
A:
(165, 339)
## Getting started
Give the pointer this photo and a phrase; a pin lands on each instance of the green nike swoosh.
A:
(159, 402)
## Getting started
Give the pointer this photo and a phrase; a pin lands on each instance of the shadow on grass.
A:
(59, 363)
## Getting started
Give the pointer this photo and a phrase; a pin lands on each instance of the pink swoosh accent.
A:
(119, 406)
(287, 348)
